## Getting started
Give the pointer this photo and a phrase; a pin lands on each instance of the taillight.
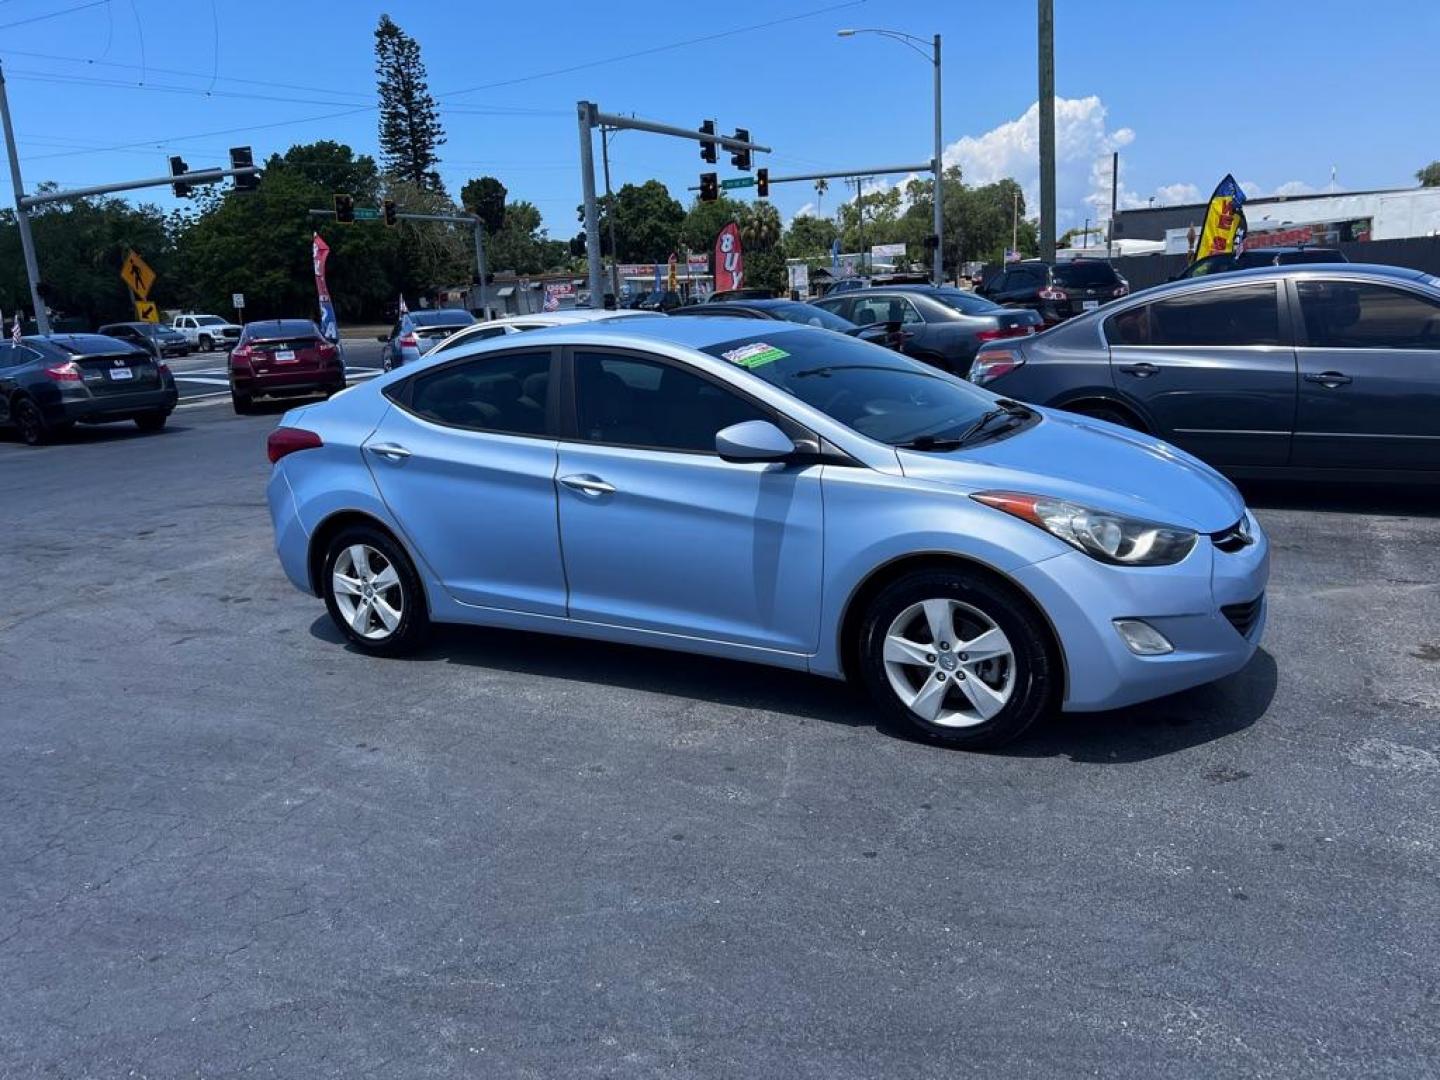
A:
(1050, 292)
(327, 351)
(287, 440)
(1005, 332)
(66, 372)
(990, 364)
(409, 341)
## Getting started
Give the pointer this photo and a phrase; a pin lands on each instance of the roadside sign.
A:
(237, 301)
(136, 273)
(366, 213)
(146, 311)
(734, 182)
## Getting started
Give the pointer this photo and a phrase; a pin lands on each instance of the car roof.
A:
(689, 333)
(1296, 270)
(441, 315)
(81, 344)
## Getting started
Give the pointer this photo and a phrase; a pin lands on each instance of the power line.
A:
(53, 14)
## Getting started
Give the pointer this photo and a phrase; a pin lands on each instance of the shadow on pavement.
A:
(1156, 728)
(87, 434)
(1399, 500)
(1138, 733)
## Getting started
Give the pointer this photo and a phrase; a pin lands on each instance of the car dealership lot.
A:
(234, 847)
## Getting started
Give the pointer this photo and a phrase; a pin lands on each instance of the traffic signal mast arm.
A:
(199, 176)
(729, 142)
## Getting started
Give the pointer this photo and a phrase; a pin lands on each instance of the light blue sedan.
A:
(779, 494)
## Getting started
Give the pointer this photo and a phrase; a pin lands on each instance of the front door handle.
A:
(587, 484)
(389, 450)
(1141, 370)
(1329, 379)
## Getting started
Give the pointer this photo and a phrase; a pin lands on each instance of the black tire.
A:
(1110, 414)
(414, 623)
(243, 405)
(205, 343)
(1030, 674)
(30, 423)
(152, 421)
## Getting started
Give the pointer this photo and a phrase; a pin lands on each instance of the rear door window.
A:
(506, 393)
(884, 309)
(1085, 275)
(1239, 316)
(1351, 315)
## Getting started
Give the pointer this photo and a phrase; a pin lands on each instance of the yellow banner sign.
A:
(146, 311)
(136, 273)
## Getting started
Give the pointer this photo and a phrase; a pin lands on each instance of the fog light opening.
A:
(1142, 639)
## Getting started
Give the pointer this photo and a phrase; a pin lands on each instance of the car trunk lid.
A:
(117, 373)
(285, 354)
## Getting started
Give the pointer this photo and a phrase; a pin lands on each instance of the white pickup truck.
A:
(206, 332)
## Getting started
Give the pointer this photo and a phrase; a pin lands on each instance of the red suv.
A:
(283, 358)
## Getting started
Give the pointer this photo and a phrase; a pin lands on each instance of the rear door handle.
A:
(390, 450)
(587, 484)
(1330, 379)
(1141, 370)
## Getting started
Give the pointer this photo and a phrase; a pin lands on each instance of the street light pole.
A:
(937, 272)
(22, 216)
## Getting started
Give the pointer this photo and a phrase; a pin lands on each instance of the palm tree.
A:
(760, 227)
(821, 186)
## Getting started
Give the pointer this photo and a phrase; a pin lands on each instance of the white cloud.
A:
(808, 210)
(1177, 194)
(1289, 188)
(1083, 145)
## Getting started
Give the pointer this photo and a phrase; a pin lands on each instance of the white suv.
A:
(205, 332)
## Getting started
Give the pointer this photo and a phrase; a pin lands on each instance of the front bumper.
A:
(1083, 597)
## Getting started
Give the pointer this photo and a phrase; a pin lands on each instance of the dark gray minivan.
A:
(1309, 369)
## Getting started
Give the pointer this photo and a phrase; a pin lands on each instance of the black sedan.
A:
(50, 382)
(159, 341)
(1330, 369)
(796, 311)
(941, 326)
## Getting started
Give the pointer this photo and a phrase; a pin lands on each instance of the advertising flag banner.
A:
(729, 259)
(1224, 229)
(319, 252)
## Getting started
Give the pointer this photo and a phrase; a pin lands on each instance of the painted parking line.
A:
(197, 401)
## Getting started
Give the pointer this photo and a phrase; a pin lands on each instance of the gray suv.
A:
(1309, 369)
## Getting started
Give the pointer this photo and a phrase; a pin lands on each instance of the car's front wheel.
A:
(957, 658)
(373, 592)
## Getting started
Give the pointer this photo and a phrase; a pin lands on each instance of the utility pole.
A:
(605, 134)
(938, 273)
(1015, 223)
(480, 269)
(1114, 195)
(22, 217)
(1047, 129)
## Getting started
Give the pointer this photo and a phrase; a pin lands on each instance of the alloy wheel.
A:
(949, 663)
(368, 592)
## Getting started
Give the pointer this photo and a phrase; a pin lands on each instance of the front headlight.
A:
(1109, 537)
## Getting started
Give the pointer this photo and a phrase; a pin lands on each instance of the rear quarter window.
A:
(1085, 275)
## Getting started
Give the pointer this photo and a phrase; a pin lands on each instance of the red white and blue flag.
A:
(319, 253)
(15, 331)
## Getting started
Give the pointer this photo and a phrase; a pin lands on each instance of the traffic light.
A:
(392, 214)
(762, 183)
(709, 187)
(179, 168)
(345, 209)
(707, 148)
(241, 158)
(741, 158)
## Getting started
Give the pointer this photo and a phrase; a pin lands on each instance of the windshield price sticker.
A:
(756, 354)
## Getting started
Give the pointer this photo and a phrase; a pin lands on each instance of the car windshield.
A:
(209, 320)
(964, 302)
(875, 391)
(1084, 275)
(281, 328)
(809, 315)
(449, 317)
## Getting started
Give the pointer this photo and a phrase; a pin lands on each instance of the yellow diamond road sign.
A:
(136, 273)
(146, 311)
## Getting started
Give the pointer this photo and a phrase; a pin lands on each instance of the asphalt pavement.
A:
(202, 378)
(234, 847)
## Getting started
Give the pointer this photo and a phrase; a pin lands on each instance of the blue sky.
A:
(1275, 91)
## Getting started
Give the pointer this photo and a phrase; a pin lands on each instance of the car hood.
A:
(1091, 462)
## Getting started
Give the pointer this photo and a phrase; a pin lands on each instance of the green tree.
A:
(809, 237)
(522, 245)
(431, 253)
(410, 130)
(81, 245)
(647, 222)
(1429, 176)
(485, 198)
(704, 220)
(760, 237)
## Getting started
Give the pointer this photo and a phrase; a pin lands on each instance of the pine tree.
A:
(410, 128)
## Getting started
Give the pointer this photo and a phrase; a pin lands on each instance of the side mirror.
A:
(753, 441)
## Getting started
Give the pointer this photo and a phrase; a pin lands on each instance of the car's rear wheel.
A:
(956, 658)
(30, 422)
(243, 403)
(373, 592)
(152, 421)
